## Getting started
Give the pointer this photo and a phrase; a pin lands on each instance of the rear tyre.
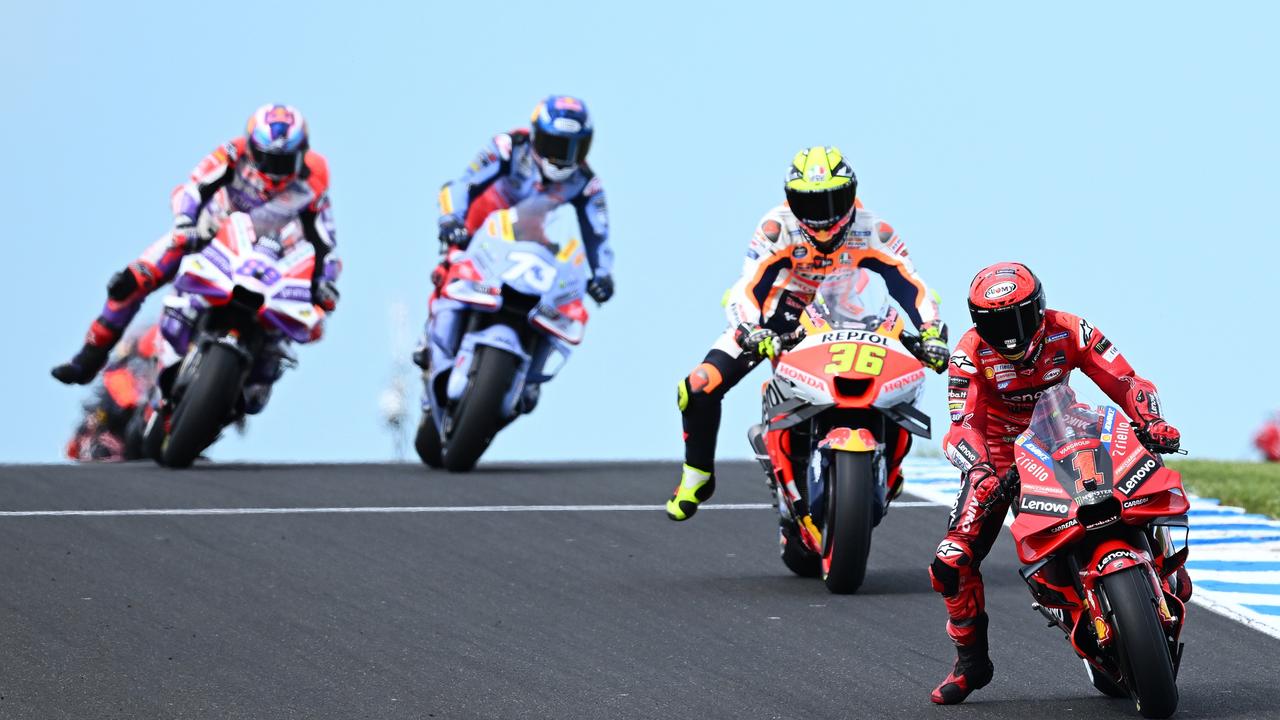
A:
(206, 404)
(1141, 644)
(846, 540)
(478, 415)
(427, 441)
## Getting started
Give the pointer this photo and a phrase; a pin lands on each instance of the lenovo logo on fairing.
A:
(1139, 476)
(1043, 506)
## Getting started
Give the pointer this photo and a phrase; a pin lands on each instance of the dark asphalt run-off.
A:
(505, 614)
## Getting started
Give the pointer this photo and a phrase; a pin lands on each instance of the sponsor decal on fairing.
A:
(1138, 477)
(1047, 506)
(1033, 468)
(854, 336)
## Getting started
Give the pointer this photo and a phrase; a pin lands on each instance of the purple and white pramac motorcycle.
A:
(234, 309)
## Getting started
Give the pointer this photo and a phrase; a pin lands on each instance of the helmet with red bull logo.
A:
(276, 136)
(560, 135)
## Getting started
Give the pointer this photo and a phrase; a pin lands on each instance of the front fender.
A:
(502, 337)
(1112, 556)
(849, 440)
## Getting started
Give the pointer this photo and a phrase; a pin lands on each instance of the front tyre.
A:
(427, 441)
(846, 540)
(206, 404)
(1141, 644)
(478, 414)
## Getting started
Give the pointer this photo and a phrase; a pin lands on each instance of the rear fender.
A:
(502, 337)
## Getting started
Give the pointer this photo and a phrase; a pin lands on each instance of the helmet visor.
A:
(561, 150)
(821, 209)
(276, 164)
(1010, 329)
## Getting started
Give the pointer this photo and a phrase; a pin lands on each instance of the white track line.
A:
(390, 510)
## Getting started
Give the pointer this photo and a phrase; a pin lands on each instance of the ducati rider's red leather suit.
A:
(991, 400)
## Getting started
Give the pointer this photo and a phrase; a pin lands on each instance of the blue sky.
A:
(1125, 151)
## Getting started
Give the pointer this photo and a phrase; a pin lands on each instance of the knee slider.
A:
(950, 561)
(704, 380)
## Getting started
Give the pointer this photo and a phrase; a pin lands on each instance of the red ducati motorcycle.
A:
(1095, 521)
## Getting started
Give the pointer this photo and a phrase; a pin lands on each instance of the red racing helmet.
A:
(1006, 302)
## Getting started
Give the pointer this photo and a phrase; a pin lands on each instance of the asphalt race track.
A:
(518, 613)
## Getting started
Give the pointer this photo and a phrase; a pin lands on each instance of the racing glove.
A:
(1162, 435)
(187, 236)
(135, 276)
(600, 288)
(453, 233)
(325, 294)
(933, 347)
(759, 341)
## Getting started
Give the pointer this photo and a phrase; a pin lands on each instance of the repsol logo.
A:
(1043, 506)
(854, 336)
(1136, 478)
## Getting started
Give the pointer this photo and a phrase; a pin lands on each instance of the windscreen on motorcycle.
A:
(853, 300)
(530, 220)
(1060, 418)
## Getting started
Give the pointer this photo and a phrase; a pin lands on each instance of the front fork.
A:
(1114, 555)
(773, 451)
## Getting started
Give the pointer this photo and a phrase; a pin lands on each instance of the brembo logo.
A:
(1139, 476)
(1000, 290)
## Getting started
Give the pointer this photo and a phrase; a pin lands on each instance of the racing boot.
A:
(973, 668)
(84, 367)
(695, 488)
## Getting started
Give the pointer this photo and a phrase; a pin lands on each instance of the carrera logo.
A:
(1065, 526)
(1135, 479)
(1051, 507)
(1136, 502)
(1114, 556)
(999, 290)
(1053, 374)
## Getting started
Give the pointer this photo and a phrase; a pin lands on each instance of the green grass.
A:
(1252, 486)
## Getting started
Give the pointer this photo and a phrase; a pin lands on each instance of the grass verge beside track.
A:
(1252, 486)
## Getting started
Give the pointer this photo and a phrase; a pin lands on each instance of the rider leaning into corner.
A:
(549, 159)
(1016, 350)
(819, 230)
(272, 174)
